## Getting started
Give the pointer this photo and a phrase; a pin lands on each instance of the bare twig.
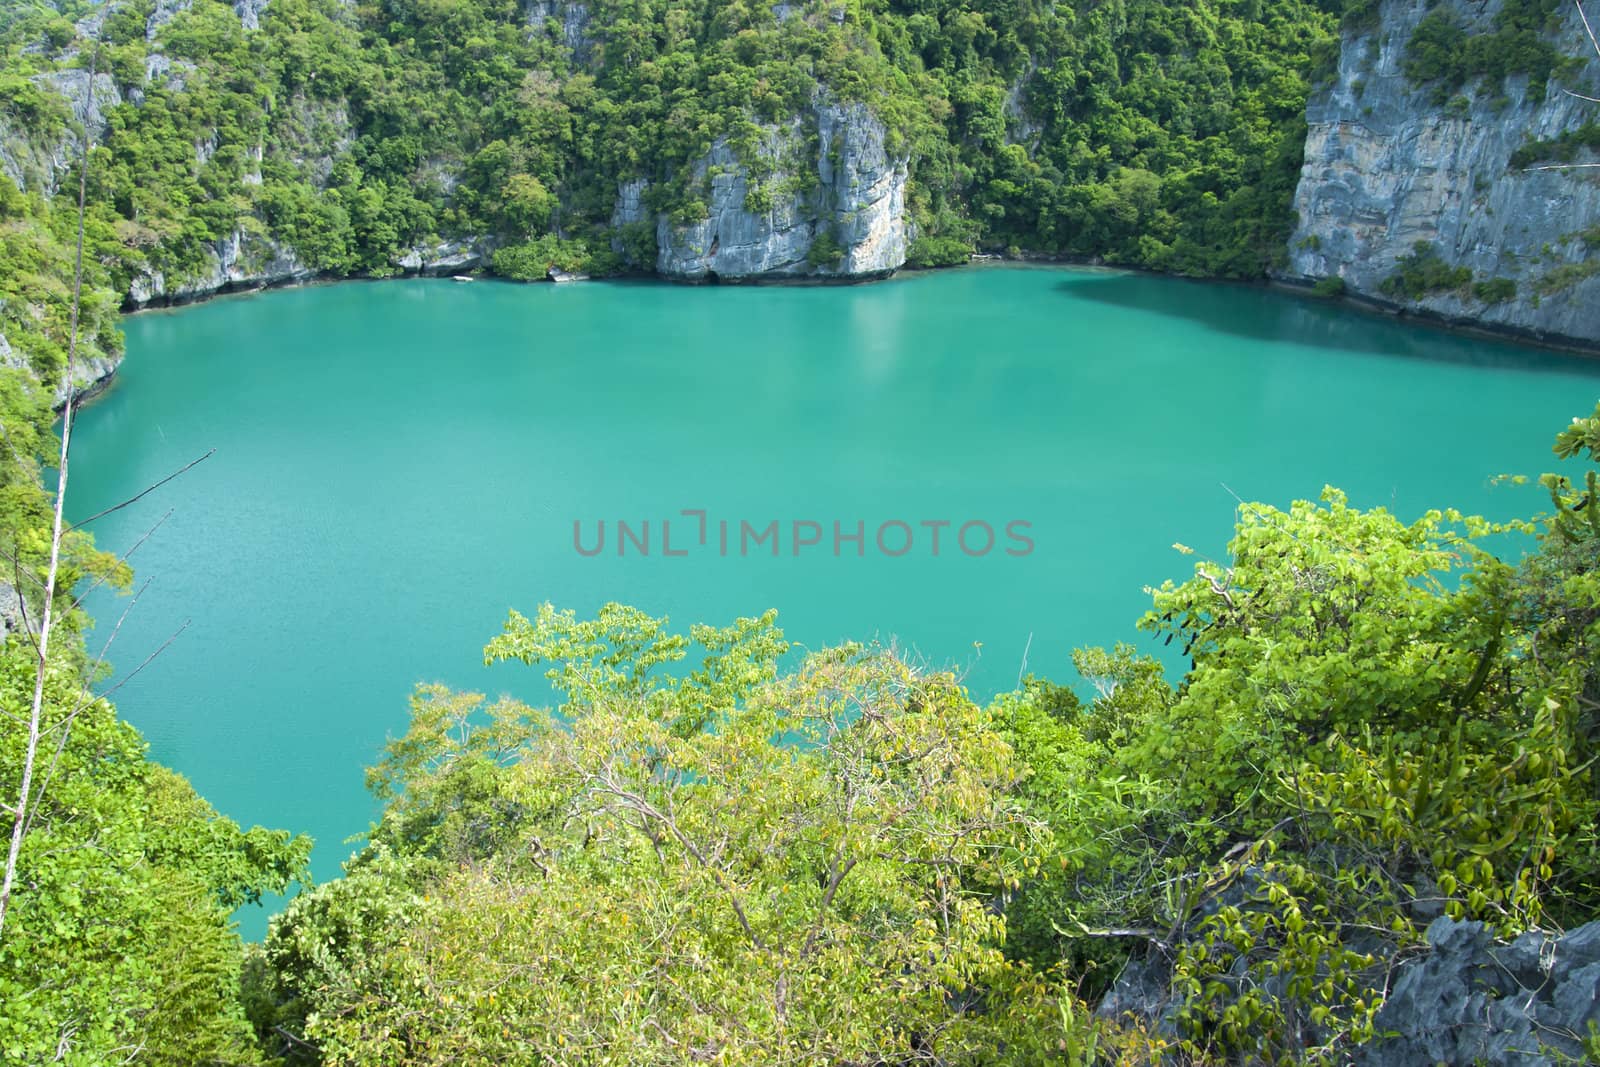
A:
(131, 675)
(21, 814)
(144, 492)
(65, 726)
(101, 579)
(1586, 27)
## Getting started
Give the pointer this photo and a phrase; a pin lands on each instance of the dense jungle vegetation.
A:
(848, 859)
(1382, 721)
(1146, 133)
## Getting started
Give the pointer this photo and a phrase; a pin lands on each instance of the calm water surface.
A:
(398, 464)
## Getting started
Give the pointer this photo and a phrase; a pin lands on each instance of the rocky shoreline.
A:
(820, 197)
(1391, 174)
(99, 377)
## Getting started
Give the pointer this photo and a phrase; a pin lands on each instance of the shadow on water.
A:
(1259, 314)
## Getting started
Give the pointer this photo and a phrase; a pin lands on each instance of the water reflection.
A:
(1259, 314)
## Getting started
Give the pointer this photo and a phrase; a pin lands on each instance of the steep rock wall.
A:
(1469, 999)
(1386, 167)
(1524, 1003)
(236, 262)
(829, 177)
(243, 262)
(573, 19)
(37, 163)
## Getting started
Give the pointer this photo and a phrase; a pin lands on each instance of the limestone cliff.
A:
(34, 161)
(1387, 166)
(236, 262)
(819, 197)
(572, 25)
(1467, 999)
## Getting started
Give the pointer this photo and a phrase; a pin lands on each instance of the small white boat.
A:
(461, 277)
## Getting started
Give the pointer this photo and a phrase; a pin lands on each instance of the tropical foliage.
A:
(706, 849)
(1138, 131)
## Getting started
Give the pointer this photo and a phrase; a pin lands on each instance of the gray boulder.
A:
(1475, 1000)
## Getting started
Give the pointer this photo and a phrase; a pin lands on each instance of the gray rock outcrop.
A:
(1469, 1000)
(235, 263)
(314, 133)
(163, 73)
(573, 17)
(11, 613)
(90, 372)
(1386, 167)
(250, 12)
(827, 177)
(444, 257)
(164, 12)
(1474, 1000)
(37, 163)
(88, 376)
(631, 208)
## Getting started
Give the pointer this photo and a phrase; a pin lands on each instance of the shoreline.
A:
(1359, 304)
(1377, 306)
(1365, 305)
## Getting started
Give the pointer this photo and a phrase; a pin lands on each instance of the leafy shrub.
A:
(638, 240)
(1442, 52)
(1563, 149)
(825, 251)
(782, 868)
(1495, 290)
(533, 260)
(938, 252)
(1422, 272)
(1565, 277)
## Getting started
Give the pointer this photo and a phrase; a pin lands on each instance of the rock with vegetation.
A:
(570, 19)
(236, 262)
(41, 133)
(1530, 1002)
(12, 618)
(444, 257)
(352, 138)
(817, 197)
(1433, 176)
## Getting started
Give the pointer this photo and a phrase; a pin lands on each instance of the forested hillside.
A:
(1147, 133)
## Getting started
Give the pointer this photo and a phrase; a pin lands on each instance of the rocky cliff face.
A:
(572, 17)
(1525, 1003)
(1387, 167)
(236, 262)
(37, 163)
(242, 262)
(829, 202)
(1470, 998)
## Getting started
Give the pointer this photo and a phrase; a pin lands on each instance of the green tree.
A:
(725, 863)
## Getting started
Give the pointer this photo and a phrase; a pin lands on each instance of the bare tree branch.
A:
(131, 675)
(101, 579)
(143, 493)
(21, 816)
(1586, 27)
(65, 726)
